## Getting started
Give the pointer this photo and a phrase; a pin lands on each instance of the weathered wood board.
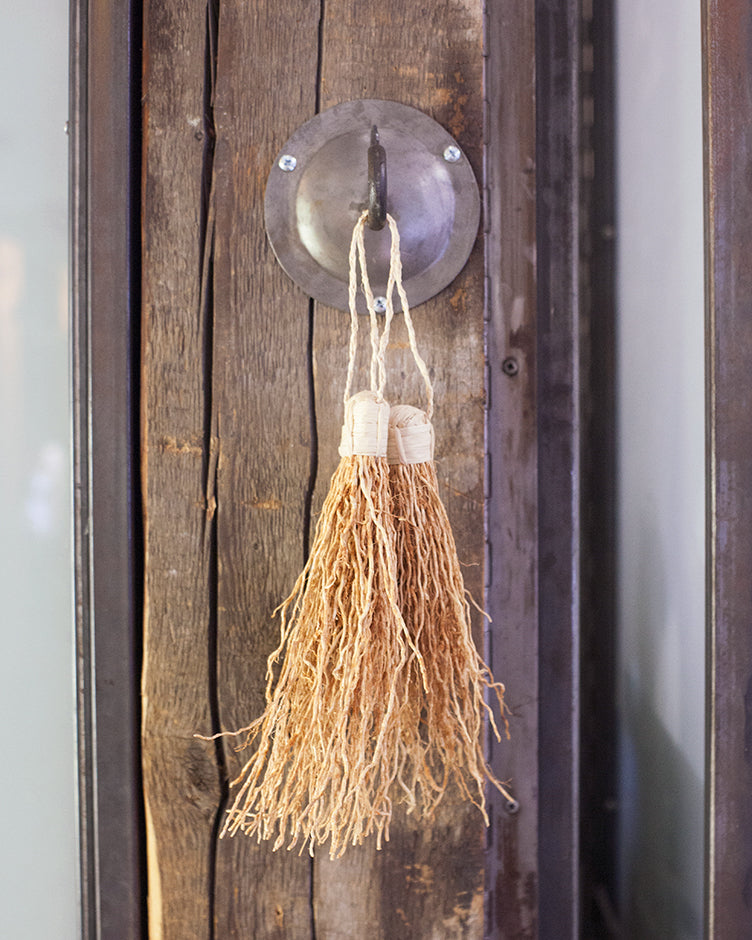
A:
(242, 380)
(182, 785)
(512, 863)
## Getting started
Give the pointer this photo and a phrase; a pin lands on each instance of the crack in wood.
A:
(210, 424)
(314, 466)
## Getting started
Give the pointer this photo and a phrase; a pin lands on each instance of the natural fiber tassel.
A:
(330, 741)
(331, 748)
(450, 693)
(380, 695)
(434, 604)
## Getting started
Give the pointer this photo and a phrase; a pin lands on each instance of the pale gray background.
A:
(38, 887)
(661, 466)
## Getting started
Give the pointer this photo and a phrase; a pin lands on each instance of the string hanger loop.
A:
(379, 343)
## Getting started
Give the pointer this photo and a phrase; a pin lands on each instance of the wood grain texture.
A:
(558, 340)
(513, 448)
(229, 446)
(181, 784)
(266, 87)
(428, 880)
(727, 39)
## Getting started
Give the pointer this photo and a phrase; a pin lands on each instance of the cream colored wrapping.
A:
(366, 428)
(411, 438)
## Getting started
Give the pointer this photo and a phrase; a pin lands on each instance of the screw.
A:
(512, 807)
(287, 162)
(510, 366)
(379, 304)
(452, 154)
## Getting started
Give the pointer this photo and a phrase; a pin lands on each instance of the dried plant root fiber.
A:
(330, 751)
(449, 689)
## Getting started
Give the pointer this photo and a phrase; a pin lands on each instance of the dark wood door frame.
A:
(727, 38)
(105, 251)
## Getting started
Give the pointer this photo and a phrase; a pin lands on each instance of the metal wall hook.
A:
(316, 192)
(376, 182)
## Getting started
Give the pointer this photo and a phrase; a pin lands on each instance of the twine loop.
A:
(379, 345)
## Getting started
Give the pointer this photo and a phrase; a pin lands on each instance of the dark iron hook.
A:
(376, 182)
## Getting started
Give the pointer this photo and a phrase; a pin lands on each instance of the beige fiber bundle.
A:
(331, 748)
(435, 606)
(379, 698)
(451, 689)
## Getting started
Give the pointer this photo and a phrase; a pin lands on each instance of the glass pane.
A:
(38, 894)
(661, 467)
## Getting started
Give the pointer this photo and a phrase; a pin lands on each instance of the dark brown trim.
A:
(727, 46)
(511, 477)
(598, 729)
(105, 245)
(557, 225)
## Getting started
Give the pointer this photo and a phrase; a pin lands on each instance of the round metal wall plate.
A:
(318, 187)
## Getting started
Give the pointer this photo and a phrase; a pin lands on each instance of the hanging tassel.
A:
(330, 750)
(451, 690)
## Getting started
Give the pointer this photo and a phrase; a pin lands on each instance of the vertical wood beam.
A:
(429, 879)
(182, 786)
(727, 38)
(512, 910)
(558, 355)
(230, 442)
(261, 405)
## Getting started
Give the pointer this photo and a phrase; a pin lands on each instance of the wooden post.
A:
(429, 880)
(242, 383)
(182, 785)
(261, 413)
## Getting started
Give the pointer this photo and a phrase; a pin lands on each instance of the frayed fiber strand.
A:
(330, 743)
(376, 694)
(435, 606)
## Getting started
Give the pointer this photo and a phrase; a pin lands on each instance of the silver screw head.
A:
(452, 154)
(287, 162)
(379, 304)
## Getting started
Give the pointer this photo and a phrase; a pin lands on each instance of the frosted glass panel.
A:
(661, 467)
(38, 895)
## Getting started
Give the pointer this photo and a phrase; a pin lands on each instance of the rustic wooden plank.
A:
(181, 783)
(428, 880)
(512, 443)
(266, 87)
(728, 127)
